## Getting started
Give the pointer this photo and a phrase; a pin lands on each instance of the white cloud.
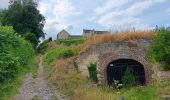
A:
(43, 7)
(4, 4)
(127, 17)
(110, 4)
(64, 8)
(56, 13)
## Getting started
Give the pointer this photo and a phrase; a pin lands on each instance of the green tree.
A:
(24, 16)
(159, 50)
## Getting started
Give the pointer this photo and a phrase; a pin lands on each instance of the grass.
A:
(104, 38)
(9, 89)
(61, 53)
(71, 41)
(62, 74)
(165, 88)
(78, 87)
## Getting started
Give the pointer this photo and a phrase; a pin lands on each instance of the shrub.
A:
(76, 65)
(68, 53)
(42, 48)
(92, 68)
(159, 51)
(128, 79)
(14, 53)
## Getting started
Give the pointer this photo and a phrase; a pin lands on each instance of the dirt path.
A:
(37, 88)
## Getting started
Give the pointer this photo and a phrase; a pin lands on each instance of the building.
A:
(63, 35)
(93, 32)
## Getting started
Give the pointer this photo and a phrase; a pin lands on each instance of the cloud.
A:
(4, 4)
(64, 8)
(57, 13)
(127, 17)
(43, 7)
(111, 4)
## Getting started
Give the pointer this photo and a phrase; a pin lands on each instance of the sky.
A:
(106, 15)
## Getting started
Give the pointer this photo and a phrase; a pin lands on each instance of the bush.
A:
(92, 68)
(128, 79)
(159, 51)
(14, 53)
(42, 48)
(68, 53)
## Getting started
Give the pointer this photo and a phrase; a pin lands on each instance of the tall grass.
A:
(65, 78)
(77, 87)
(104, 38)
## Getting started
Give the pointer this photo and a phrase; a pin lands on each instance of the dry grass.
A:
(115, 38)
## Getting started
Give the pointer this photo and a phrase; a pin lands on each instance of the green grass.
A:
(71, 41)
(77, 87)
(61, 53)
(10, 88)
(149, 92)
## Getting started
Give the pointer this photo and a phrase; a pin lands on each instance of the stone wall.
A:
(105, 53)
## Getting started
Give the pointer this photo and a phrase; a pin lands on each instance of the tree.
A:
(24, 16)
(159, 50)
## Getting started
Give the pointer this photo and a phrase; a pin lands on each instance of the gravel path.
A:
(37, 88)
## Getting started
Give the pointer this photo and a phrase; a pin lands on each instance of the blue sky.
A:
(76, 15)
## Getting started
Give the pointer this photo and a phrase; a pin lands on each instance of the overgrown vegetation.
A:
(128, 79)
(126, 35)
(62, 73)
(92, 68)
(159, 51)
(15, 56)
(26, 19)
(71, 41)
(77, 87)
(61, 53)
(42, 48)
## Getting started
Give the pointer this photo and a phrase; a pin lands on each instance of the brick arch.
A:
(105, 59)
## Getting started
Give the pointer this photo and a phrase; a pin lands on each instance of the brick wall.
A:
(105, 53)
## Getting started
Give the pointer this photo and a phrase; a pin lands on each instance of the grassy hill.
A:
(62, 71)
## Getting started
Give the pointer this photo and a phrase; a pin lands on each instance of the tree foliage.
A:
(14, 53)
(25, 18)
(159, 51)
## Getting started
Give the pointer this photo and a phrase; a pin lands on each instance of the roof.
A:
(63, 31)
(97, 32)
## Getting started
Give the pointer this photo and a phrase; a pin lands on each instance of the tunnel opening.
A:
(116, 71)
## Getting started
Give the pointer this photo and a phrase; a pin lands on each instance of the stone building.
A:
(63, 35)
(89, 33)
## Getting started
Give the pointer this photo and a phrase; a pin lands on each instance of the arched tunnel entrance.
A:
(116, 70)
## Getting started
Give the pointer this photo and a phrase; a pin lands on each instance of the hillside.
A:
(63, 72)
